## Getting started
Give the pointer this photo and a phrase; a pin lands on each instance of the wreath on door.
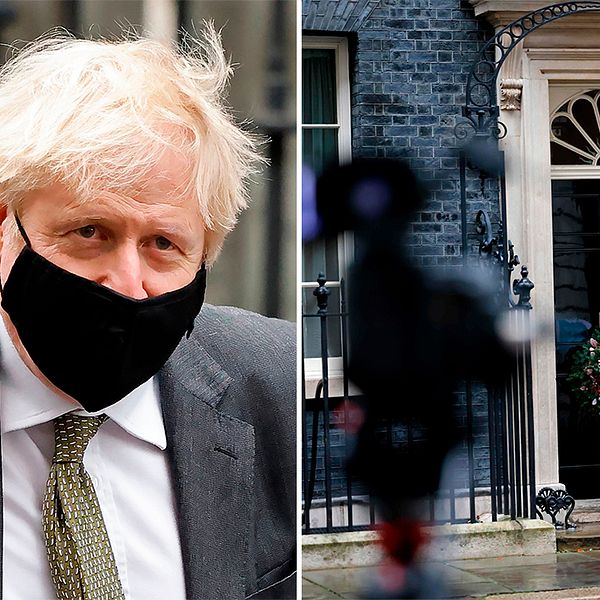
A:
(583, 378)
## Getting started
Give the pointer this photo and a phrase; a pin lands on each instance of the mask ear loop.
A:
(25, 239)
(22, 231)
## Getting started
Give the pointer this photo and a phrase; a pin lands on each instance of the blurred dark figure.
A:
(414, 335)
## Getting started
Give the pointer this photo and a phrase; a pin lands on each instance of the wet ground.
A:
(573, 575)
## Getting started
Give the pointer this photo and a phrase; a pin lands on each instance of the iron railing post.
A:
(322, 295)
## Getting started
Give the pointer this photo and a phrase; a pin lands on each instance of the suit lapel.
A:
(211, 456)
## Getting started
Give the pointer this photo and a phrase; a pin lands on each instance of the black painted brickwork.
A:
(409, 69)
(457, 478)
(409, 72)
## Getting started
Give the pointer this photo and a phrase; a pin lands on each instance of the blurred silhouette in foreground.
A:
(414, 335)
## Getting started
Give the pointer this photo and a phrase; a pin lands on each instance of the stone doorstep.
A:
(570, 594)
(586, 511)
(523, 537)
(585, 537)
(338, 550)
(587, 534)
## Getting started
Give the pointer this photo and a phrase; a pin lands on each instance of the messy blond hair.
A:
(98, 115)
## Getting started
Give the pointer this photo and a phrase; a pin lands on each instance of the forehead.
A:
(172, 173)
(163, 191)
(169, 179)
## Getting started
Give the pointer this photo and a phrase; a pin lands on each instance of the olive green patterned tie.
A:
(81, 560)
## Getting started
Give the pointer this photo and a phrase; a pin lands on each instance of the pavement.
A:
(565, 575)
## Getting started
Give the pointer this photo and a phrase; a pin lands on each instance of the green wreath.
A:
(584, 376)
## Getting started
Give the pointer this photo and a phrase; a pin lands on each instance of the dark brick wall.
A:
(458, 475)
(410, 67)
(409, 70)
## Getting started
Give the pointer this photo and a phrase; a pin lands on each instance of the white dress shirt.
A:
(127, 463)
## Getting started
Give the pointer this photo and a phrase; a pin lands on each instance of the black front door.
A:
(576, 241)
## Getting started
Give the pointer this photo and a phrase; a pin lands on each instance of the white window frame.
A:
(345, 245)
(342, 86)
(559, 93)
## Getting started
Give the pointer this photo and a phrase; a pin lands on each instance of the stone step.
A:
(585, 516)
(585, 537)
(586, 511)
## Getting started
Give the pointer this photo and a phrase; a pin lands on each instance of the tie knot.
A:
(72, 434)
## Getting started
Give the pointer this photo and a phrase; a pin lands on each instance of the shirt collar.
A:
(25, 401)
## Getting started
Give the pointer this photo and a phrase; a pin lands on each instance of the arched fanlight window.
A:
(575, 131)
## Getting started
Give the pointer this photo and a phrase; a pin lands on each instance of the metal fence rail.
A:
(494, 468)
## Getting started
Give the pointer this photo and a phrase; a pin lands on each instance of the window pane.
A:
(319, 148)
(563, 156)
(576, 223)
(565, 130)
(320, 257)
(312, 324)
(318, 86)
(583, 112)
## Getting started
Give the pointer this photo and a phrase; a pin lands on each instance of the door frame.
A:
(529, 214)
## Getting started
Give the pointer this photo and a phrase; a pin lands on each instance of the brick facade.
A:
(408, 75)
(409, 62)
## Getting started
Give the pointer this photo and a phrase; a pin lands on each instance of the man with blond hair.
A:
(148, 446)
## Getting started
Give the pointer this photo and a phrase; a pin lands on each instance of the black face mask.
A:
(91, 342)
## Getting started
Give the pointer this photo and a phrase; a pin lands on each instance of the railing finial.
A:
(321, 293)
(522, 288)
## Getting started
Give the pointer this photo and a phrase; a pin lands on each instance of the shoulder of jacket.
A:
(257, 353)
(226, 326)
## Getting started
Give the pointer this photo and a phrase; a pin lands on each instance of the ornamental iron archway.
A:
(480, 127)
(481, 108)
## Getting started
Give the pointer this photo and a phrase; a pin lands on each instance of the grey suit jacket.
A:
(228, 395)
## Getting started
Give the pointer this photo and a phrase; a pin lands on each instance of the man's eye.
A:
(87, 232)
(162, 243)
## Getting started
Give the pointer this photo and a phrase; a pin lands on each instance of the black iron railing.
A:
(492, 473)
